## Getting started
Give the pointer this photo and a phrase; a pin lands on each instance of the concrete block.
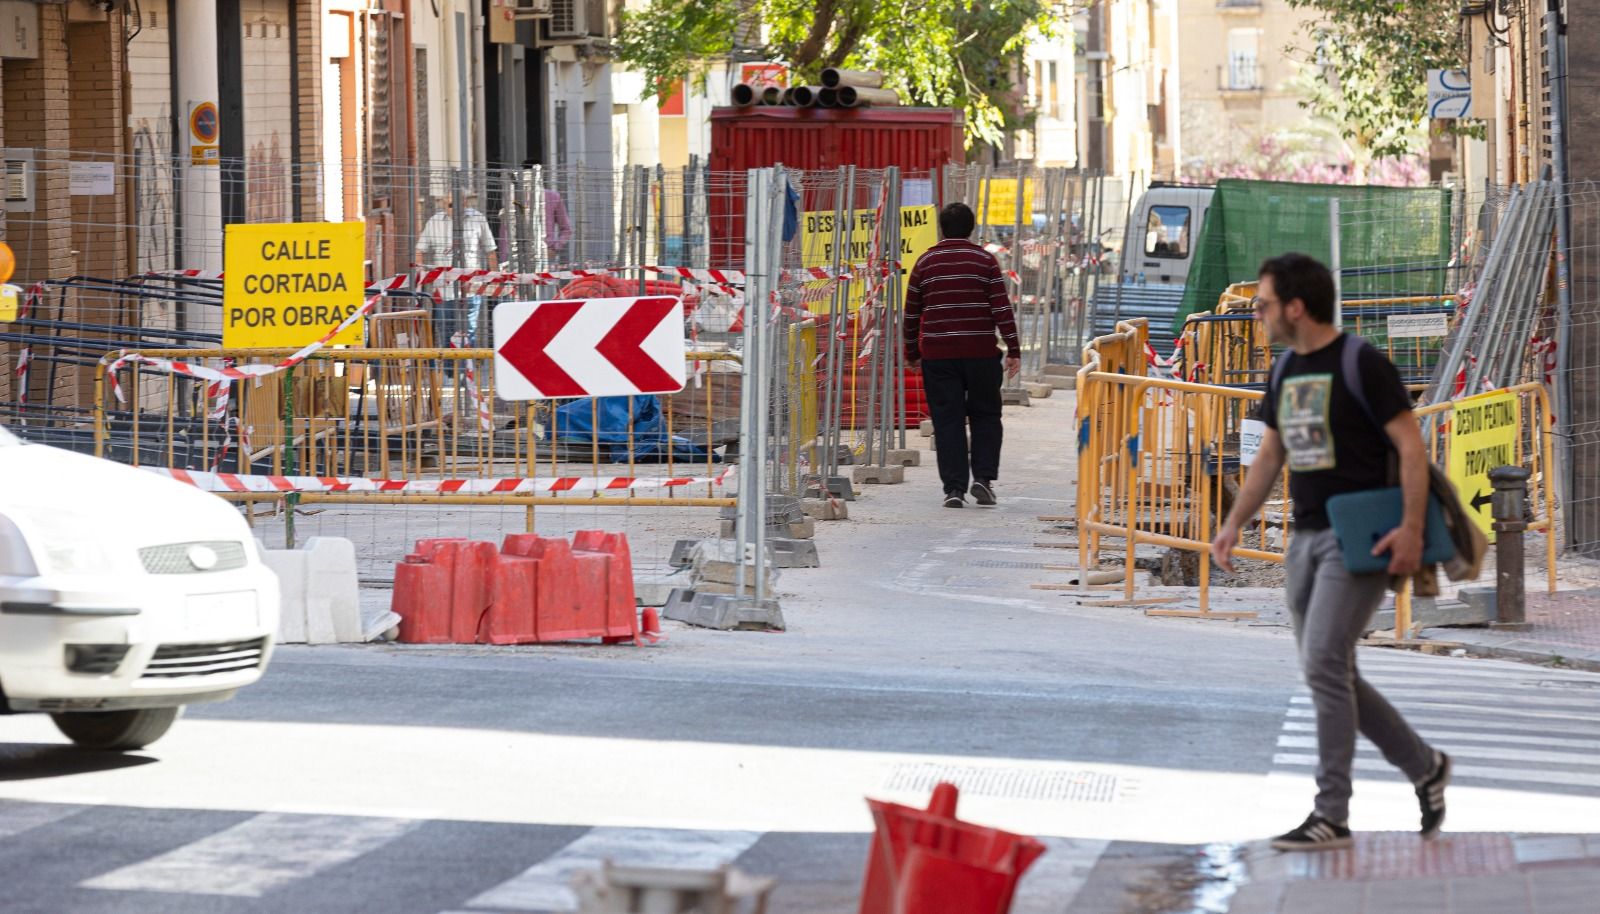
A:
(321, 600)
(793, 553)
(882, 476)
(826, 509)
(725, 612)
(1064, 382)
(836, 486)
(803, 529)
(906, 457)
(1056, 370)
(1039, 390)
(1431, 612)
(1013, 396)
(655, 589)
(926, 428)
(717, 561)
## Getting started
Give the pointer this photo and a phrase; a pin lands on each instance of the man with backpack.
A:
(1335, 409)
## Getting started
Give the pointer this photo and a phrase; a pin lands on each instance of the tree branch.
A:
(810, 49)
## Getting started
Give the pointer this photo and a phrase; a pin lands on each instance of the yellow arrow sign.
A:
(1484, 433)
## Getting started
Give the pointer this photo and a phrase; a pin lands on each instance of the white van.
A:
(1163, 229)
(123, 596)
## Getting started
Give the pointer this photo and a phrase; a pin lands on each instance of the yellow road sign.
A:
(1484, 432)
(998, 198)
(287, 284)
(8, 303)
(919, 230)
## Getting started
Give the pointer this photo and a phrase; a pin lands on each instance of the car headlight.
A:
(16, 559)
(59, 541)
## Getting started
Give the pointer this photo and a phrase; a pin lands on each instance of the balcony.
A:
(1240, 75)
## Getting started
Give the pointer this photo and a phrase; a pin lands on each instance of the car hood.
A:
(132, 506)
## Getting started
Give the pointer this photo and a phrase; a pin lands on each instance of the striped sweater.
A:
(955, 301)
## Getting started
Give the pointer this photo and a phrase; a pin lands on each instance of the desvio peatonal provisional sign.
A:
(598, 347)
(285, 285)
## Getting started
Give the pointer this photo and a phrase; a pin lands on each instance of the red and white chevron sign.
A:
(597, 347)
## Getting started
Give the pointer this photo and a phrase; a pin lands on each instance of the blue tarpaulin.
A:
(575, 424)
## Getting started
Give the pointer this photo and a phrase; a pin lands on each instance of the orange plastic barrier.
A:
(537, 589)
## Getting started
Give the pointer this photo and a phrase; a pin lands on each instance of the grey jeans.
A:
(1329, 608)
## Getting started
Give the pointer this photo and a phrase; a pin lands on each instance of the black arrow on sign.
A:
(1479, 500)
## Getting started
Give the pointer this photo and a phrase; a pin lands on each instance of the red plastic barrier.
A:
(422, 599)
(930, 862)
(559, 604)
(511, 615)
(621, 617)
(454, 590)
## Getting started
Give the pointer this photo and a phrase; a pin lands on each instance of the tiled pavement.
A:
(1563, 627)
(1398, 873)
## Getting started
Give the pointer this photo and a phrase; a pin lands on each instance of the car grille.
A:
(174, 660)
(173, 558)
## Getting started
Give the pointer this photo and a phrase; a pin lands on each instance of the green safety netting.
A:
(1394, 241)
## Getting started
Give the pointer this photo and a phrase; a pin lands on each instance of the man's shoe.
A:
(1314, 834)
(983, 491)
(954, 500)
(1430, 795)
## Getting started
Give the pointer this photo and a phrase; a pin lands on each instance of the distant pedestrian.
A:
(956, 302)
(456, 317)
(1335, 443)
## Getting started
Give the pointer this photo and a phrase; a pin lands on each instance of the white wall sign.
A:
(1449, 93)
(1250, 434)
(1416, 326)
(93, 179)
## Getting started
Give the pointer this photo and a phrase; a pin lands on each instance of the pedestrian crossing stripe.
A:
(258, 855)
(546, 886)
(1541, 726)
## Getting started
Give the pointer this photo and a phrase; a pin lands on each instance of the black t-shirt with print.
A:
(1331, 446)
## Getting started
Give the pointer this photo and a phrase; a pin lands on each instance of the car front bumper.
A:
(90, 644)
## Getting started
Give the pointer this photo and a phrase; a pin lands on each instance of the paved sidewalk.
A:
(1563, 629)
(1385, 872)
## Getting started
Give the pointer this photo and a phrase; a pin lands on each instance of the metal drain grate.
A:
(1009, 544)
(997, 563)
(1008, 783)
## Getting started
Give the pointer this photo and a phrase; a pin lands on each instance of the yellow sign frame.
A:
(286, 284)
(919, 230)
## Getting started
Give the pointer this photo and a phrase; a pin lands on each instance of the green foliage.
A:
(1373, 57)
(952, 53)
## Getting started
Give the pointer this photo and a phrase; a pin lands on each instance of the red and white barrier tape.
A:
(25, 354)
(230, 373)
(233, 482)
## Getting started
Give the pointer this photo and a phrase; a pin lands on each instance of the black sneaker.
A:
(1430, 795)
(1314, 834)
(954, 500)
(983, 491)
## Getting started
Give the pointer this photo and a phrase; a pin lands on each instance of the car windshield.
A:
(7, 439)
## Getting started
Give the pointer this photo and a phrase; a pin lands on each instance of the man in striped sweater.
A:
(955, 303)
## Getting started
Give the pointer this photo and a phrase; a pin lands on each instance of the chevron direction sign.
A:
(597, 347)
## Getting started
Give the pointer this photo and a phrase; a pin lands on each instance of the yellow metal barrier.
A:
(402, 414)
(1158, 461)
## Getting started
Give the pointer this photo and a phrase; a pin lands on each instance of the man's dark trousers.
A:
(962, 391)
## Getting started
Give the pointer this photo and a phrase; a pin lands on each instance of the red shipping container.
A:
(917, 140)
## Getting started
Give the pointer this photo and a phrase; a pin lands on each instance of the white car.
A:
(123, 596)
